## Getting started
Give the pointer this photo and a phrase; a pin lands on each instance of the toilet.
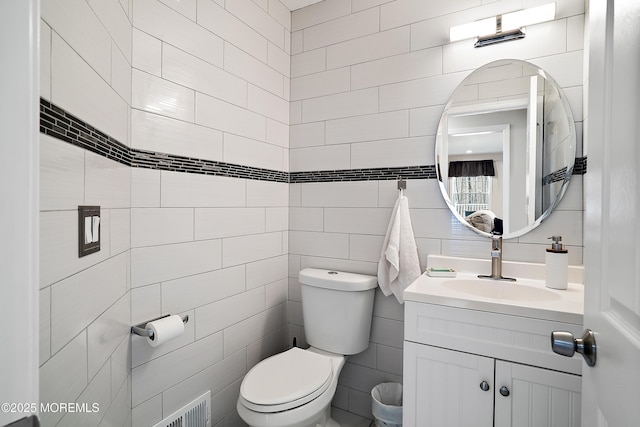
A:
(295, 388)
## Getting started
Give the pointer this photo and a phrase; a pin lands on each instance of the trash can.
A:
(386, 404)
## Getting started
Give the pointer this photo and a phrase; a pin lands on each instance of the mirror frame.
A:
(571, 140)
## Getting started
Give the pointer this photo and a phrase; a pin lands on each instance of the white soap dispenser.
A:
(557, 265)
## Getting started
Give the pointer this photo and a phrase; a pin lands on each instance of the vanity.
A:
(477, 352)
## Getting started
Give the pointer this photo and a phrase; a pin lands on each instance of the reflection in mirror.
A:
(505, 148)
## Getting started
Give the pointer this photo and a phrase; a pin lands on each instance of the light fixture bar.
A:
(473, 29)
(503, 36)
(535, 15)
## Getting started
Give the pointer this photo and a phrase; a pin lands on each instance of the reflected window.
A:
(470, 193)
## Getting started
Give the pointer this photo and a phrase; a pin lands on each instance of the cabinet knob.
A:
(504, 391)
(484, 386)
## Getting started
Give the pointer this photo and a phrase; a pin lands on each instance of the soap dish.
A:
(441, 272)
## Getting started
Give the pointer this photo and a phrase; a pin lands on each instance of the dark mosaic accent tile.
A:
(59, 124)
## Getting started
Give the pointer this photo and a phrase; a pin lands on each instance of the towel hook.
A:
(402, 184)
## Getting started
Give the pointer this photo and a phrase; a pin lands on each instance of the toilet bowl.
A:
(295, 388)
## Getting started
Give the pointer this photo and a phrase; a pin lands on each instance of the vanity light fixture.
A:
(502, 28)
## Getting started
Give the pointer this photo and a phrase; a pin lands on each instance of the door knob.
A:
(563, 343)
(484, 386)
(504, 391)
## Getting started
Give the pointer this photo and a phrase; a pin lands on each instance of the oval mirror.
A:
(505, 148)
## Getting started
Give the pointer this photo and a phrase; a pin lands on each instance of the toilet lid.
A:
(286, 380)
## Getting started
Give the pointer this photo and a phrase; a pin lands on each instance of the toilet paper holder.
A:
(140, 328)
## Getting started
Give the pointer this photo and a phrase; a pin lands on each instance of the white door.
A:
(611, 389)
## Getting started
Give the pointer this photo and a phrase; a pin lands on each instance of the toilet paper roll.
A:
(165, 329)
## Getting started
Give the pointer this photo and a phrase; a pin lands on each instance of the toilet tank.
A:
(337, 308)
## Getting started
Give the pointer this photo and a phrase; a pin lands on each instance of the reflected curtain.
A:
(471, 168)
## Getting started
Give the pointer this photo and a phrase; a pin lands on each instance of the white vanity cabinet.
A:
(457, 361)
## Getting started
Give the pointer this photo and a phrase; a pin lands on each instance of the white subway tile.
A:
(231, 29)
(119, 412)
(115, 20)
(194, 291)
(121, 75)
(147, 413)
(280, 13)
(320, 84)
(185, 7)
(341, 29)
(319, 244)
(107, 331)
(63, 377)
(341, 105)
(97, 392)
(295, 112)
(225, 402)
(277, 219)
(424, 121)
(78, 25)
(145, 188)
(45, 60)
(80, 299)
(566, 69)
(221, 115)
(107, 182)
(221, 314)
(267, 104)
(279, 60)
(306, 219)
(390, 153)
(340, 194)
(357, 220)
(119, 231)
(255, 17)
(399, 68)
(271, 344)
(419, 93)
(243, 249)
(44, 324)
(154, 264)
(120, 365)
(170, 26)
(387, 331)
(296, 42)
(75, 86)
(193, 190)
(192, 72)
(396, 14)
(168, 370)
(252, 329)
(159, 96)
(160, 226)
(368, 128)
(368, 48)
(214, 378)
(266, 193)
(253, 70)
(211, 223)
(307, 135)
(61, 174)
(317, 13)
(266, 271)
(146, 303)
(365, 247)
(357, 5)
(278, 134)
(326, 157)
(575, 32)
(147, 53)
(153, 132)
(310, 62)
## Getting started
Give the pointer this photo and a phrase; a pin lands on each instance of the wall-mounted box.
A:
(88, 230)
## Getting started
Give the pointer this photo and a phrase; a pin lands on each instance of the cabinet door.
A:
(442, 388)
(537, 397)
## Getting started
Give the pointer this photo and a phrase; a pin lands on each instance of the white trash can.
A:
(386, 404)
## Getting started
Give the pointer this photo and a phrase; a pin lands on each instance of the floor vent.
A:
(195, 414)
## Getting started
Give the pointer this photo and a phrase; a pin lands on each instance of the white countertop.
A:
(545, 303)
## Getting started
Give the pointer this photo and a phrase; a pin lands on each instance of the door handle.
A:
(563, 343)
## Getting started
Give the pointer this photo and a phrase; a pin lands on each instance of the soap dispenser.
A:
(557, 265)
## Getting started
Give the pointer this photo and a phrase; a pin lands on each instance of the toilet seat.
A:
(286, 380)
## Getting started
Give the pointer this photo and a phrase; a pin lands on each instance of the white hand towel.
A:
(399, 264)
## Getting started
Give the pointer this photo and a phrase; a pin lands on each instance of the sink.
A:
(500, 290)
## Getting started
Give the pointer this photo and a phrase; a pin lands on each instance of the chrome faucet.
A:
(496, 261)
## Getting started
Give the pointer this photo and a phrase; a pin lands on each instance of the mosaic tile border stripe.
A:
(58, 123)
